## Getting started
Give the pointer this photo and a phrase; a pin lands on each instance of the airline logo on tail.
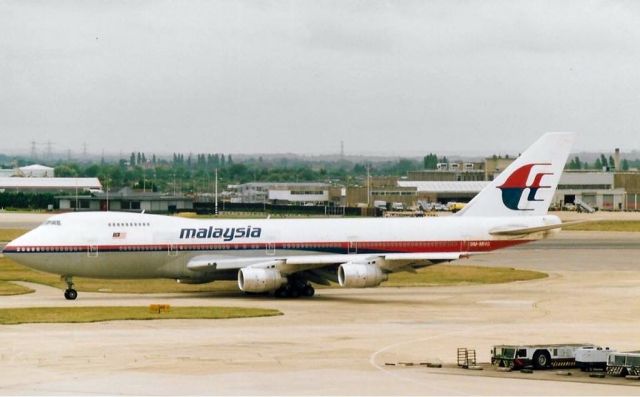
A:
(513, 188)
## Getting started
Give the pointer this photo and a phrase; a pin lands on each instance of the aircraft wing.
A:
(287, 265)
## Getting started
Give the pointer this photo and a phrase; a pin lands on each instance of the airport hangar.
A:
(602, 190)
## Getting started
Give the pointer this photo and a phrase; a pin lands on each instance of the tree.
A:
(612, 163)
(132, 159)
(625, 165)
(575, 164)
(598, 164)
(430, 161)
(603, 161)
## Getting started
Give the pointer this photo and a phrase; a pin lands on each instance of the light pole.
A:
(216, 192)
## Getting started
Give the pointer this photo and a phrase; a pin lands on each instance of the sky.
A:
(384, 77)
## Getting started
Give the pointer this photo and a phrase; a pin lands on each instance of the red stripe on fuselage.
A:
(368, 246)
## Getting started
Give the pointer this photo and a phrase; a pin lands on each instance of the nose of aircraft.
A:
(11, 248)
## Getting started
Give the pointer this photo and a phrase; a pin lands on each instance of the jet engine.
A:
(360, 275)
(256, 279)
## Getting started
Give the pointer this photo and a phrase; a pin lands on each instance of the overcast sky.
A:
(386, 77)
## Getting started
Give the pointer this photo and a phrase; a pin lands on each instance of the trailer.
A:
(589, 358)
(623, 364)
(536, 356)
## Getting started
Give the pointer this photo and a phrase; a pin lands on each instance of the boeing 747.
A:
(287, 256)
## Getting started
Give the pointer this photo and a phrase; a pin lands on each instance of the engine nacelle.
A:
(256, 279)
(360, 275)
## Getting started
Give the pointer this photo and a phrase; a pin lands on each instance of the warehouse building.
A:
(126, 200)
(445, 191)
(601, 190)
(282, 193)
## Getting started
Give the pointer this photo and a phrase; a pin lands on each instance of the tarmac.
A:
(338, 342)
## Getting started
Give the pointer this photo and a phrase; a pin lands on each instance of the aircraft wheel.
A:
(293, 293)
(280, 292)
(308, 291)
(70, 294)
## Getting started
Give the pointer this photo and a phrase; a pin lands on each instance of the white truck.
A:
(589, 358)
(623, 364)
(536, 356)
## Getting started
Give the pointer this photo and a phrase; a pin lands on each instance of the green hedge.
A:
(21, 200)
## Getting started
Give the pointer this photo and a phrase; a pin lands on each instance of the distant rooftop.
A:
(49, 183)
(445, 186)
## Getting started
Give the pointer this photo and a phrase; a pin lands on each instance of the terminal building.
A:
(316, 193)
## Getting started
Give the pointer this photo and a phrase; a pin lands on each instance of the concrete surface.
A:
(339, 341)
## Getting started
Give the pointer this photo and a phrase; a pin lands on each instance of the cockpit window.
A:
(52, 222)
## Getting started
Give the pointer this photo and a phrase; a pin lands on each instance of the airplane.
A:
(284, 257)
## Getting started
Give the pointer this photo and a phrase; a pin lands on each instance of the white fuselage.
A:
(130, 245)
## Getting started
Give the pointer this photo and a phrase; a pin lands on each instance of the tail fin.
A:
(527, 186)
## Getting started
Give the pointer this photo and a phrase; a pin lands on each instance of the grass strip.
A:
(607, 226)
(113, 313)
(7, 235)
(13, 289)
(459, 274)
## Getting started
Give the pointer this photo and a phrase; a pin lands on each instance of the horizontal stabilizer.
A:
(529, 230)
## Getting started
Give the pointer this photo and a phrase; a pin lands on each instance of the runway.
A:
(339, 341)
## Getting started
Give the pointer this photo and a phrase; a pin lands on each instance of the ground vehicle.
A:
(440, 207)
(538, 356)
(397, 206)
(589, 358)
(380, 204)
(623, 364)
(454, 206)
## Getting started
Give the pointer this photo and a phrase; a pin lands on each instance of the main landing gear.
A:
(70, 293)
(295, 289)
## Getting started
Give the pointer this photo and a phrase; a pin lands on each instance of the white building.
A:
(36, 171)
(280, 193)
(52, 185)
(596, 189)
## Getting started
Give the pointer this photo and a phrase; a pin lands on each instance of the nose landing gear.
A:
(70, 293)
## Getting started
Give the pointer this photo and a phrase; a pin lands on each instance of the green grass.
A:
(13, 289)
(458, 274)
(607, 226)
(11, 234)
(112, 313)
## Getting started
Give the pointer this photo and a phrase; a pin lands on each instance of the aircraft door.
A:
(172, 250)
(92, 251)
(352, 248)
(464, 244)
(270, 249)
